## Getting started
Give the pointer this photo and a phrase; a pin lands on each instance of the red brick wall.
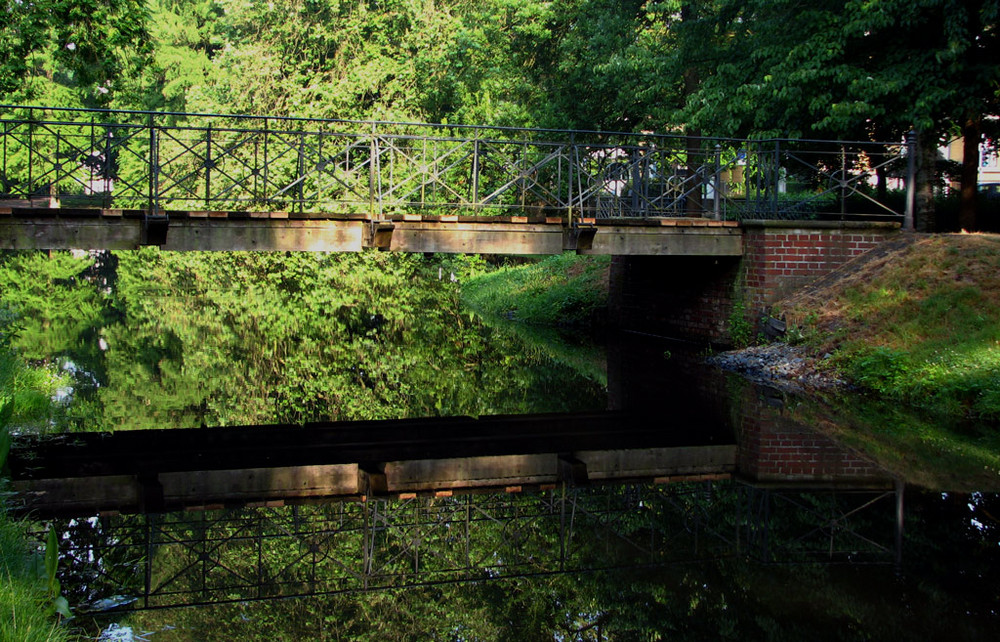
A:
(693, 297)
(780, 256)
(775, 448)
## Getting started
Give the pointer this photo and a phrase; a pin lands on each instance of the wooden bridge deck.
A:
(190, 230)
(131, 471)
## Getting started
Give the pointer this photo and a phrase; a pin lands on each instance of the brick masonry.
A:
(693, 297)
(780, 257)
(775, 448)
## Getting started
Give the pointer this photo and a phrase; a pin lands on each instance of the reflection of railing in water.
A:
(160, 161)
(219, 556)
(831, 507)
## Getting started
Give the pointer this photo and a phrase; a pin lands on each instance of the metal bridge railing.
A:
(160, 161)
(243, 554)
(192, 558)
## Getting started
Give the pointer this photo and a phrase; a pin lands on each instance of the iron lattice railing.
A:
(260, 553)
(161, 161)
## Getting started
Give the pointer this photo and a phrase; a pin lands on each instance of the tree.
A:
(854, 70)
(70, 52)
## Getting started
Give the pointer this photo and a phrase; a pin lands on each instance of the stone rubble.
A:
(781, 365)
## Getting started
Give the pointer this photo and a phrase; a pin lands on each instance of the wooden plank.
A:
(63, 234)
(265, 483)
(658, 462)
(667, 241)
(477, 238)
(272, 235)
(495, 471)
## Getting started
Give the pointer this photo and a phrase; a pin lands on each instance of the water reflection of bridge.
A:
(432, 501)
(153, 471)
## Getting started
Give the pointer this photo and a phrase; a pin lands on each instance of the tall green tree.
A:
(855, 69)
(71, 52)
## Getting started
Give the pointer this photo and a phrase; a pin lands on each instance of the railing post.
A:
(777, 178)
(475, 174)
(154, 169)
(93, 146)
(320, 166)
(300, 173)
(31, 155)
(208, 167)
(372, 173)
(3, 168)
(56, 167)
(573, 169)
(637, 181)
(911, 179)
(716, 184)
(264, 167)
(843, 181)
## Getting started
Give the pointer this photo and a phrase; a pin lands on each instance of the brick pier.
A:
(694, 297)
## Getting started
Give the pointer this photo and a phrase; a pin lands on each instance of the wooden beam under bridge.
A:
(191, 230)
(140, 471)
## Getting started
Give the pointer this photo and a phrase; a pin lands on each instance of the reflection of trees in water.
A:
(243, 338)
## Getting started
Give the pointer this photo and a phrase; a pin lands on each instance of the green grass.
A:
(561, 290)
(26, 601)
(921, 326)
(25, 614)
(930, 451)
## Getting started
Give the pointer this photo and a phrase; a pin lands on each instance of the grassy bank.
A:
(26, 589)
(918, 323)
(561, 290)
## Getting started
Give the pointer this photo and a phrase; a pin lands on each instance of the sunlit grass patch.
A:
(920, 325)
(930, 451)
(564, 289)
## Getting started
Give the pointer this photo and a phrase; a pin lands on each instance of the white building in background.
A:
(989, 162)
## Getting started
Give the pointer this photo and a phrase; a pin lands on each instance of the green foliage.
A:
(28, 598)
(741, 330)
(71, 52)
(880, 369)
(54, 302)
(25, 392)
(846, 69)
(244, 338)
(562, 290)
(23, 595)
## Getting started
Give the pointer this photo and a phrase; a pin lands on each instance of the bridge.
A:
(97, 179)
(216, 515)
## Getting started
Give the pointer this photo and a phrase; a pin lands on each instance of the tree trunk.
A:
(972, 135)
(694, 184)
(926, 219)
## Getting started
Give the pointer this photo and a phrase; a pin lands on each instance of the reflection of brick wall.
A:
(693, 296)
(772, 447)
(780, 256)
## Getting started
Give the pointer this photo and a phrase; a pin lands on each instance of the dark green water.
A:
(151, 340)
(159, 340)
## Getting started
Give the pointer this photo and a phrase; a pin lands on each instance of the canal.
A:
(252, 446)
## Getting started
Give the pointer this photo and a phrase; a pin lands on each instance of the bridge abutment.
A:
(700, 297)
